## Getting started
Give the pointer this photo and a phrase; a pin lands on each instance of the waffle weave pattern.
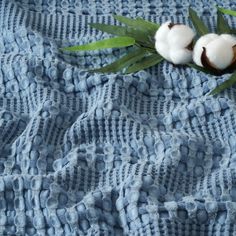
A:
(149, 153)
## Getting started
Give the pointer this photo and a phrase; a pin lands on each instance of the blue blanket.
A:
(150, 153)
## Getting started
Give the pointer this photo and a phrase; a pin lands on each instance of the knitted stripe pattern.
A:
(148, 153)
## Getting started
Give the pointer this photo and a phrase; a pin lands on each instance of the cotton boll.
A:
(172, 37)
(231, 39)
(180, 56)
(162, 32)
(216, 52)
(219, 52)
(163, 49)
(198, 48)
(180, 36)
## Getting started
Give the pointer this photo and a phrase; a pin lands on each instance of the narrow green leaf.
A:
(126, 20)
(123, 62)
(138, 23)
(199, 68)
(102, 44)
(227, 84)
(110, 29)
(145, 63)
(197, 22)
(226, 11)
(222, 24)
(148, 24)
(139, 36)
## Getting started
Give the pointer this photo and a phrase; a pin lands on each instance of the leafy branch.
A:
(139, 34)
(222, 28)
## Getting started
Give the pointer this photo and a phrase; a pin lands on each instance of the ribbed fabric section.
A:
(71, 25)
(150, 153)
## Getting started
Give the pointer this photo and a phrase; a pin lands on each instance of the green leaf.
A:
(222, 24)
(138, 23)
(124, 61)
(148, 23)
(227, 84)
(145, 63)
(199, 68)
(110, 29)
(226, 11)
(197, 22)
(102, 44)
(140, 37)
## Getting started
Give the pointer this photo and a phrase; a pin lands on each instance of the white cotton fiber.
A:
(230, 38)
(172, 42)
(162, 32)
(163, 50)
(180, 36)
(220, 53)
(180, 56)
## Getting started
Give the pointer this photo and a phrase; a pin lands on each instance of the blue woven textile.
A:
(149, 153)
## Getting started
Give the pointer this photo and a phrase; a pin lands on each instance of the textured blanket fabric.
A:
(149, 153)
